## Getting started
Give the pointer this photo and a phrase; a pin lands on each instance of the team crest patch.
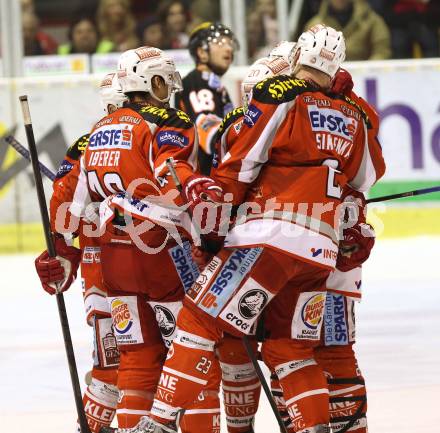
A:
(165, 319)
(251, 303)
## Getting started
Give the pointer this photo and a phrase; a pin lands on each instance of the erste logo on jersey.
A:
(332, 121)
(172, 138)
(113, 136)
(122, 320)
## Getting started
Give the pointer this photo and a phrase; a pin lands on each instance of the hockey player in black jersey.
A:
(204, 98)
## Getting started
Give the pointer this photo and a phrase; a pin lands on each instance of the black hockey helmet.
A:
(208, 32)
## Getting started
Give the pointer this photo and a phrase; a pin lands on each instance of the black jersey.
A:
(203, 93)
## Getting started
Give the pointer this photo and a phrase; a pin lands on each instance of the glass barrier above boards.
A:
(84, 64)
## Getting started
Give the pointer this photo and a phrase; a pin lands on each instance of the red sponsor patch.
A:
(326, 54)
(147, 53)
(107, 81)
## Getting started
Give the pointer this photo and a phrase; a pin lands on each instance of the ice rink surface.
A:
(398, 344)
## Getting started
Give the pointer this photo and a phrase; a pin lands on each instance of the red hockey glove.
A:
(200, 257)
(198, 189)
(60, 270)
(356, 246)
(342, 83)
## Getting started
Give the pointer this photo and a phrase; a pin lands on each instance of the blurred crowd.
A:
(374, 29)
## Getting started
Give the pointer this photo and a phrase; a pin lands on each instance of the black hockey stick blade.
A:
(413, 193)
(13, 142)
(82, 420)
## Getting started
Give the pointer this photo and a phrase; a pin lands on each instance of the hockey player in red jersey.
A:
(101, 395)
(298, 145)
(125, 163)
(241, 386)
(335, 355)
(204, 98)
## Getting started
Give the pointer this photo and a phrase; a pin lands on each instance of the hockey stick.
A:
(246, 343)
(405, 194)
(12, 141)
(26, 155)
(52, 253)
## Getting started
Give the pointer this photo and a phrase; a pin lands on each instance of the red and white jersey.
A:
(127, 151)
(66, 181)
(296, 150)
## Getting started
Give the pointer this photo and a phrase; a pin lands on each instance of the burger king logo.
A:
(312, 310)
(121, 316)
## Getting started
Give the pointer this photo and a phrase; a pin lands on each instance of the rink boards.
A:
(64, 107)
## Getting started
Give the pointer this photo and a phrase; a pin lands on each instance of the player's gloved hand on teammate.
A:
(60, 270)
(342, 83)
(200, 257)
(199, 188)
(355, 247)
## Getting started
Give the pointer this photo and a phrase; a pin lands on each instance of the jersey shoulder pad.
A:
(280, 89)
(76, 149)
(166, 117)
(361, 110)
(228, 120)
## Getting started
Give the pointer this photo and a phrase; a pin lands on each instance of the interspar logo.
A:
(251, 115)
(172, 138)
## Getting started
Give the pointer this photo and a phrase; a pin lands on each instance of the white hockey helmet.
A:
(137, 67)
(261, 69)
(321, 48)
(284, 49)
(110, 92)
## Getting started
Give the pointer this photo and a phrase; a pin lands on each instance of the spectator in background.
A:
(366, 34)
(27, 6)
(83, 38)
(35, 41)
(117, 24)
(204, 10)
(262, 29)
(413, 22)
(174, 18)
(268, 11)
(149, 32)
(256, 38)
